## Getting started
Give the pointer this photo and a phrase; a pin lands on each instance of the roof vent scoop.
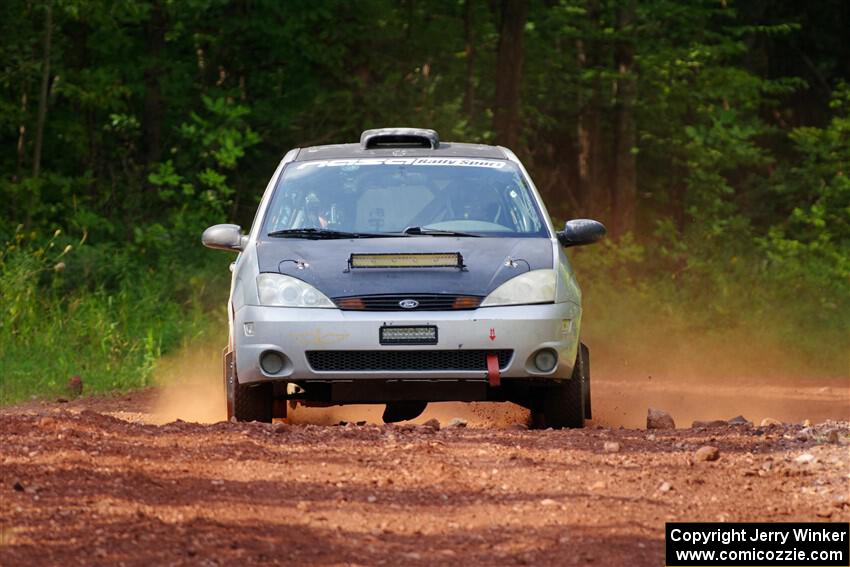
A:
(399, 138)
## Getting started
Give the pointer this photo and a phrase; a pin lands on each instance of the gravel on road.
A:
(79, 487)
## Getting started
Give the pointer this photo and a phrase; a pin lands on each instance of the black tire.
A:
(563, 405)
(246, 402)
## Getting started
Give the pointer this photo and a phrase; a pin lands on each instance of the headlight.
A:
(536, 286)
(285, 291)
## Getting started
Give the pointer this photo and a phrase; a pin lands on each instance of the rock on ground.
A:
(707, 453)
(659, 419)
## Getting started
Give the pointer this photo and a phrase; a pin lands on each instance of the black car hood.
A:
(324, 263)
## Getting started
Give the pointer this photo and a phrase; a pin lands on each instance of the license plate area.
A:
(408, 335)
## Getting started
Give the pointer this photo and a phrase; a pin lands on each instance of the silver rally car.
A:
(404, 270)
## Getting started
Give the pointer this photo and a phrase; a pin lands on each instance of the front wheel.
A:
(564, 404)
(246, 402)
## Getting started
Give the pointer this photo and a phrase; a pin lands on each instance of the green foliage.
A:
(820, 220)
(112, 335)
(713, 305)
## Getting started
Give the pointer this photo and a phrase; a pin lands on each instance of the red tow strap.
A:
(493, 370)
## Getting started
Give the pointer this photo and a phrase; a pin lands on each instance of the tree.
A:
(595, 196)
(43, 92)
(624, 186)
(469, 52)
(506, 106)
(153, 112)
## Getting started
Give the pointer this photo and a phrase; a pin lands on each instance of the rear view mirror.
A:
(224, 237)
(578, 232)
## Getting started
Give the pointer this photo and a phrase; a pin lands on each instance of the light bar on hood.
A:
(437, 260)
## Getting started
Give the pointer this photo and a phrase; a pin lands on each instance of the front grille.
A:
(365, 360)
(425, 302)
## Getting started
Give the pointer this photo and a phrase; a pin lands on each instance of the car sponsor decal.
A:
(318, 337)
(454, 162)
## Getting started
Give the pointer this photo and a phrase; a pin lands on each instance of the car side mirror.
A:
(578, 232)
(224, 237)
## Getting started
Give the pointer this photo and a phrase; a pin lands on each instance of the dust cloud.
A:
(706, 376)
(692, 377)
(190, 385)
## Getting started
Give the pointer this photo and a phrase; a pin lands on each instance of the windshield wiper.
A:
(419, 230)
(323, 234)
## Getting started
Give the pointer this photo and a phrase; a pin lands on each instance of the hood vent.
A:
(399, 138)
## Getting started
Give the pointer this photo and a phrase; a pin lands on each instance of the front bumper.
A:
(525, 329)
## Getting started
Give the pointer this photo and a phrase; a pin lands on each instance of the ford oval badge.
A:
(408, 304)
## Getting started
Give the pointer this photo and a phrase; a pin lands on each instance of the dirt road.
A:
(79, 487)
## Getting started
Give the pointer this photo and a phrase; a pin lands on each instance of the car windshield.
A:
(423, 196)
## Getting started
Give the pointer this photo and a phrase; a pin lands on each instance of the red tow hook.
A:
(493, 370)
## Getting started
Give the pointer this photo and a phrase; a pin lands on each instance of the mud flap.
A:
(228, 375)
(586, 378)
(279, 408)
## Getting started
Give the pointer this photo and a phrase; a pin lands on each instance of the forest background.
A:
(712, 137)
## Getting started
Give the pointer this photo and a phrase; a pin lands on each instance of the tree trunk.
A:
(469, 34)
(22, 141)
(624, 196)
(594, 195)
(152, 120)
(584, 124)
(506, 115)
(76, 59)
(42, 96)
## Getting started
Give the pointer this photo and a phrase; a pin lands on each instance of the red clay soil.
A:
(78, 487)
